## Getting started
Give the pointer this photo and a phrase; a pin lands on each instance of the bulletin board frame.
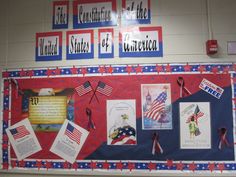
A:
(108, 166)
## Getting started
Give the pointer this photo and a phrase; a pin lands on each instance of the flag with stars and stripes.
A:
(19, 132)
(104, 88)
(157, 107)
(84, 88)
(73, 133)
(124, 135)
(196, 115)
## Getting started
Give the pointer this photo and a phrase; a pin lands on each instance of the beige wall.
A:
(184, 25)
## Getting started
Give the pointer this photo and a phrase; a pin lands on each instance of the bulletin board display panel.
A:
(178, 117)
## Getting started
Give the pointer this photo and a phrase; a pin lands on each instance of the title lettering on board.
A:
(94, 13)
(105, 45)
(60, 14)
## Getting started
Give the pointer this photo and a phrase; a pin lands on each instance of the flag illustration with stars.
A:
(157, 107)
(124, 135)
(104, 88)
(73, 133)
(19, 132)
(84, 88)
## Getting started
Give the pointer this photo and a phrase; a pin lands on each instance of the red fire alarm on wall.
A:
(211, 47)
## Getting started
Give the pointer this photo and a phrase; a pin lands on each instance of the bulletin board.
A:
(146, 118)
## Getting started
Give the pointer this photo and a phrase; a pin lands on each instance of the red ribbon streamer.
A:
(156, 147)
(223, 139)
(183, 89)
(91, 124)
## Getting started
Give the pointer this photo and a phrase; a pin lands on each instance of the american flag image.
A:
(19, 132)
(157, 107)
(197, 114)
(73, 133)
(125, 135)
(84, 88)
(104, 88)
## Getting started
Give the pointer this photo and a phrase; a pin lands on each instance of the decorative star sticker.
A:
(168, 68)
(6, 84)
(106, 165)
(6, 113)
(48, 164)
(139, 69)
(102, 69)
(4, 137)
(159, 69)
(21, 163)
(201, 69)
(57, 71)
(49, 72)
(83, 71)
(38, 164)
(152, 166)
(221, 167)
(30, 73)
(110, 69)
(187, 67)
(211, 166)
(75, 165)
(214, 70)
(169, 163)
(5, 165)
(22, 73)
(119, 165)
(192, 166)
(6, 92)
(226, 70)
(74, 70)
(13, 163)
(5, 74)
(131, 166)
(129, 69)
(93, 165)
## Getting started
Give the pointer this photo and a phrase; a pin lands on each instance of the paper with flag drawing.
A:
(156, 106)
(121, 122)
(195, 125)
(69, 141)
(23, 139)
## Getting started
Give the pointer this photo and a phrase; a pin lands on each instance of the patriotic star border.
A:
(203, 68)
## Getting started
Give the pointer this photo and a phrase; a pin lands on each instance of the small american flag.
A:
(73, 133)
(19, 132)
(196, 115)
(157, 107)
(104, 88)
(84, 88)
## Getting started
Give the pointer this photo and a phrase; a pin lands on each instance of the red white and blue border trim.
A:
(48, 46)
(94, 13)
(60, 14)
(141, 42)
(136, 12)
(169, 165)
(106, 43)
(79, 44)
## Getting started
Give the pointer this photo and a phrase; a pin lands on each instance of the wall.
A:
(184, 25)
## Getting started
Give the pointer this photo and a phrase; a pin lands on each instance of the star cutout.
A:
(214, 70)
(38, 164)
(83, 71)
(159, 69)
(30, 73)
(187, 67)
(13, 163)
(234, 67)
(226, 70)
(211, 166)
(119, 165)
(22, 73)
(180, 166)
(6, 92)
(168, 68)
(139, 69)
(4, 137)
(57, 71)
(105, 165)
(201, 68)
(192, 166)
(66, 165)
(21, 163)
(102, 69)
(110, 69)
(131, 166)
(48, 164)
(74, 70)
(4, 146)
(129, 69)
(169, 163)
(5, 165)
(221, 167)
(6, 113)
(5, 74)
(152, 166)
(6, 84)
(75, 165)
(49, 72)
(93, 165)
